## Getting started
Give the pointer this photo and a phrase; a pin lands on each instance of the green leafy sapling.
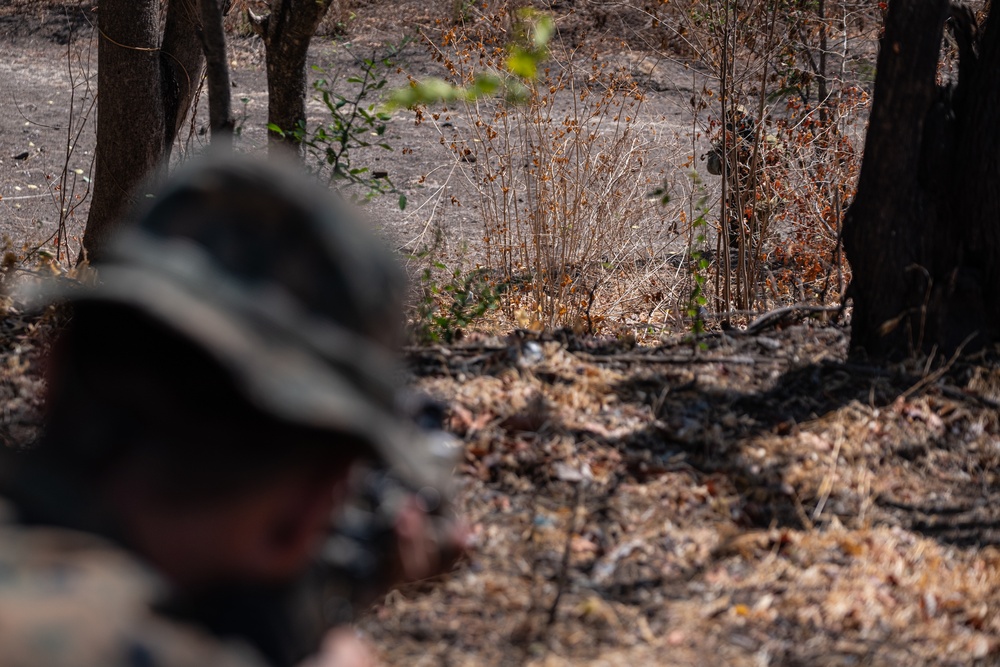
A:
(533, 30)
(354, 121)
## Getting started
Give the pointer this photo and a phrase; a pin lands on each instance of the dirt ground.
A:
(760, 500)
(48, 81)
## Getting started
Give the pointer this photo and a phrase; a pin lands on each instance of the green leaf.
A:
(402, 202)
(428, 91)
(436, 90)
(486, 84)
(522, 63)
(545, 27)
(517, 93)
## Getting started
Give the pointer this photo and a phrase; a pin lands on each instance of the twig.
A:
(939, 373)
(742, 359)
(773, 317)
(955, 392)
(826, 486)
(567, 550)
(13, 97)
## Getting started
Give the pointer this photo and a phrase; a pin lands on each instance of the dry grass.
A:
(561, 180)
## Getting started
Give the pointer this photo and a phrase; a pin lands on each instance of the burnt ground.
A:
(760, 500)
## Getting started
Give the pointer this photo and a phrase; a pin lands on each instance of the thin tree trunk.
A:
(978, 168)
(213, 37)
(183, 64)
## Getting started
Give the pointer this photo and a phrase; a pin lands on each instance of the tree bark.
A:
(213, 38)
(146, 88)
(921, 235)
(287, 31)
(130, 113)
(183, 62)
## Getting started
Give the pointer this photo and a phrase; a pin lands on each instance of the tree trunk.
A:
(183, 62)
(922, 236)
(145, 88)
(130, 115)
(213, 38)
(287, 32)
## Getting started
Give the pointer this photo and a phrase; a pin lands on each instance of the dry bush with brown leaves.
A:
(559, 178)
(792, 79)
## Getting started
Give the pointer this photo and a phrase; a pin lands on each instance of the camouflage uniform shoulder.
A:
(69, 599)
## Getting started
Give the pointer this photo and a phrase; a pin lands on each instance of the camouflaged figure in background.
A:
(233, 361)
(743, 159)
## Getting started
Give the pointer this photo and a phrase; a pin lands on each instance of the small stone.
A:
(769, 344)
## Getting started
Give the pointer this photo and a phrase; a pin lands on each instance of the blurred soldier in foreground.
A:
(208, 403)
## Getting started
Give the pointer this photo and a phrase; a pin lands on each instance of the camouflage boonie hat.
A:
(283, 285)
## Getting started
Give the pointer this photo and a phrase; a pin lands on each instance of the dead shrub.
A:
(560, 180)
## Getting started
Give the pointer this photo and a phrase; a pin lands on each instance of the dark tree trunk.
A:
(213, 37)
(130, 115)
(287, 31)
(145, 87)
(922, 235)
(183, 64)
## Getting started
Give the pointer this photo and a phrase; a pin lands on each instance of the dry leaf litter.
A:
(761, 501)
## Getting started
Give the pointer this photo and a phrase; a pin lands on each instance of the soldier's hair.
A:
(125, 387)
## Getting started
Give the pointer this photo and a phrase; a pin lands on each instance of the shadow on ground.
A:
(52, 20)
(961, 505)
